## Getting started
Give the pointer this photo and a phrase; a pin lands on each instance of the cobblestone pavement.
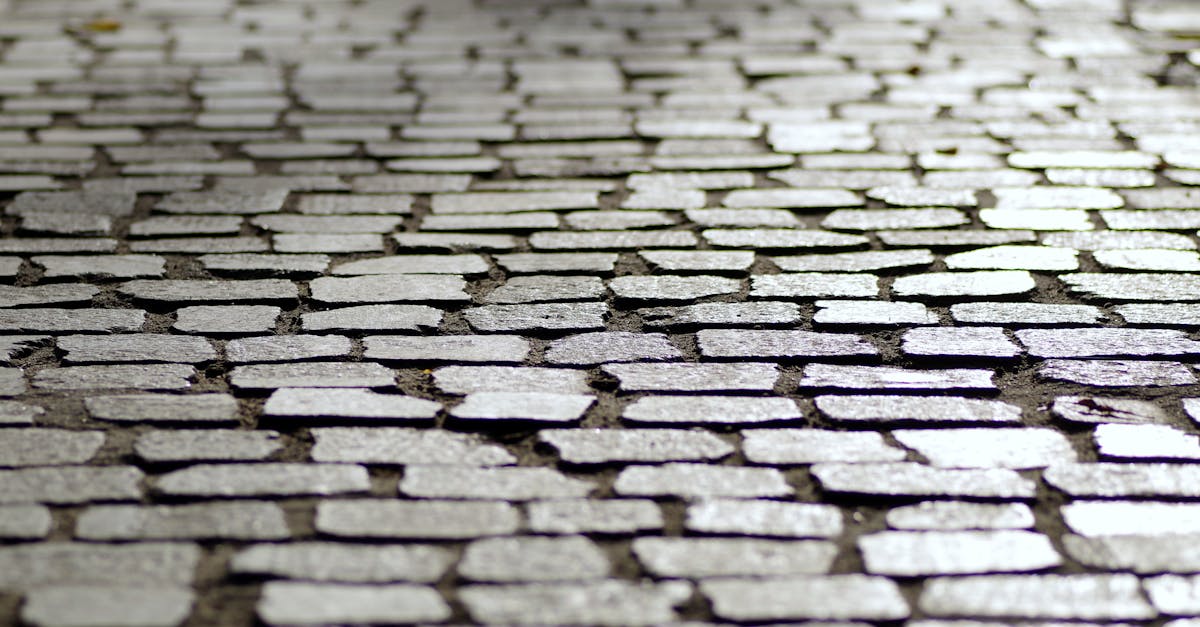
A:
(391, 311)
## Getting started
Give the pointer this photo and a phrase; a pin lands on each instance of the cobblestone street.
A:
(605, 312)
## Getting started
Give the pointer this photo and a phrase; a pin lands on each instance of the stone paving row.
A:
(599, 312)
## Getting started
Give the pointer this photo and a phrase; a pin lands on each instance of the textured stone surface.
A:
(105, 604)
(532, 406)
(428, 519)
(689, 377)
(234, 521)
(518, 484)
(912, 479)
(291, 603)
(347, 403)
(891, 378)
(207, 445)
(48, 447)
(764, 518)
(510, 560)
(1086, 597)
(810, 446)
(917, 553)
(596, 446)
(759, 344)
(819, 598)
(263, 480)
(700, 481)
(710, 409)
(954, 515)
(988, 448)
(311, 374)
(602, 603)
(731, 557)
(349, 563)
(927, 409)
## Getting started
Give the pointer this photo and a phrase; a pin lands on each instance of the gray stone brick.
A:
(813, 597)
(672, 288)
(867, 312)
(612, 346)
(532, 289)
(725, 557)
(892, 378)
(1118, 240)
(415, 264)
(710, 410)
(981, 342)
(920, 553)
(610, 240)
(1145, 442)
(722, 315)
(148, 347)
(599, 446)
(781, 344)
(523, 406)
(1106, 342)
(989, 448)
(781, 239)
(792, 198)
(31, 566)
(1026, 313)
(14, 414)
(25, 522)
(264, 479)
(131, 376)
(224, 201)
(350, 563)
(949, 284)
(224, 320)
(451, 348)
(691, 377)
(389, 288)
(538, 317)
(200, 291)
(427, 519)
(1138, 553)
(571, 516)
(472, 379)
(1124, 479)
(866, 261)
(1173, 594)
(54, 245)
(876, 219)
(1149, 260)
(286, 348)
(315, 374)
(1117, 372)
(1124, 519)
(515, 484)
(301, 603)
(698, 481)
(396, 445)
(507, 560)
(1134, 286)
(206, 445)
(164, 408)
(46, 294)
(557, 262)
(912, 479)
(12, 381)
(743, 218)
(698, 261)
(960, 515)
(119, 266)
(1100, 410)
(211, 521)
(610, 602)
(1056, 198)
(955, 238)
(502, 202)
(923, 196)
(1086, 597)
(155, 605)
(764, 518)
(48, 447)
(278, 265)
(64, 485)
(1015, 258)
(814, 285)
(158, 226)
(373, 318)
(810, 446)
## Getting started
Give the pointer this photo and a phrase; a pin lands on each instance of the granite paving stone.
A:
(472, 379)
(286, 348)
(546, 288)
(210, 408)
(609, 602)
(415, 264)
(346, 563)
(892, 378)
(785, 239)
(977, 342)
(1117, 372)
(517, 484)
(557, 262)
(521, 559)
(48, 447)
(1106, 342)
(16, 414)
(226, 320)
(396, 445)
(250, 264)
(199, 290)
(148, 347)
(451, 348)
(606, 516)
(349, 402)
(960, 515)
(155, 605)
(699, 481)
(671, 288)
(302, 603)
(373, 318)
(25, 522)
(32, 566)
(63, 485)
(764, 313)
(1014, 258)
(913, 479)
(314, 374)
(1149, 259)
(865, 261)
(46, 294)
(694, 377)
(968, 284)
(1127, 518)
(710, 410)
(811, 446)
(814, 285)
(1026, 313)
(611, 346)
(918, 553)
(726, 557)
(811, 597)
(1123, 480)
(600, 446)
(550, 407)
(1134, 286)
(1103, 410)
(119, 266)
(781, 344)
(123, 376)
(988, 447)
(1079, 597)
(389, 288)
(263, 479)
(546, 317)
(206, 445)
(233, 521)
(50, 320)
(425, 519)
(764, 518)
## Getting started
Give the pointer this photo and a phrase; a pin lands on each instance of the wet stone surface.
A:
(599, 313)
